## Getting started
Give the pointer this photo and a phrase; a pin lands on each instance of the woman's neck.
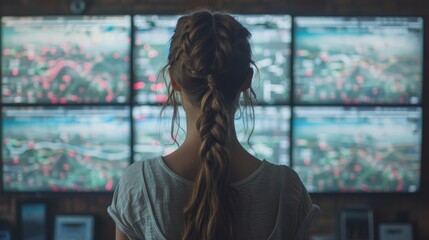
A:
(185, 160)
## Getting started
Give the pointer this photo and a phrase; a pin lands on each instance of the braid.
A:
(210, 56)
(208, 213)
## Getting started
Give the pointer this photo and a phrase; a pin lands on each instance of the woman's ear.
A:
(248, 82)
(173, 83)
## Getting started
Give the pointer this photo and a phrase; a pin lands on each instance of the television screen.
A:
(270, 137)
(358, 60)
(152, 137)
(56, 149)
(269, 140)
(271, 43)
(271, 39)
(73, 59)
(151, 48)
(345, 149)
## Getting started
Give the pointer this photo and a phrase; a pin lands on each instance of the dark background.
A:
(387, 207)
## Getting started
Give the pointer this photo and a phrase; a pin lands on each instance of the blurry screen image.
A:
(60, 60)
(5, 235)
(358, 60)
(269, 140)
(70, 227)
(57, 149)
(271, 43)
(151, 48)
(340, 149)
(270, 137)
(152, 131)
(356, 224)
(33, 221)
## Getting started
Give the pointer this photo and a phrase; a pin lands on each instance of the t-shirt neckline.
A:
(190, 183)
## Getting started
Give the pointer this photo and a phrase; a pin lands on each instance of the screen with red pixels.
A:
(351, 149)
(358, 60)
(271, 43)
(58, 149)
(152, 35)
(269, 137)
(62, 60)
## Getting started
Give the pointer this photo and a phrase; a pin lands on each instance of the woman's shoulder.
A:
(287, 177)
(283, 171)
(135, 172)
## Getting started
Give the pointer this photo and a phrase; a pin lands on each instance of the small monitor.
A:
(32, 221)
(62, 60)
(74, 227)
(358, 60)
(356, 223)
(350, 149)
(64, 149)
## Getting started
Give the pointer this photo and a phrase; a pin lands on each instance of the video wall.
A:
(338, 100)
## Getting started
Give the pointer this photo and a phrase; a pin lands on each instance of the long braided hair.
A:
(210, 58)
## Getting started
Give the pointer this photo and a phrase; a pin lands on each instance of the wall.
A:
(386, 208)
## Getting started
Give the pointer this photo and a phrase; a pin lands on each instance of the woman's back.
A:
(232, 195)
(271, 202)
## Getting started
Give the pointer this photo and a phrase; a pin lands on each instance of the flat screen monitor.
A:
(152, 35)
(351, 149)
(64, 149)
(269, 140)
(152, 131)
(271, 44)
(270, 137)
(61, 60)
(358, 60)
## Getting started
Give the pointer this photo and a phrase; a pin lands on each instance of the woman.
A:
(210, 187)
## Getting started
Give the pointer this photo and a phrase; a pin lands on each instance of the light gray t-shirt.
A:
(149, 199)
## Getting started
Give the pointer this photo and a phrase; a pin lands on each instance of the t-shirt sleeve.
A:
(307, 213)
(120, 210)
(305, 203)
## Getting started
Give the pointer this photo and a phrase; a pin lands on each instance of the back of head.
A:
(210, 58)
